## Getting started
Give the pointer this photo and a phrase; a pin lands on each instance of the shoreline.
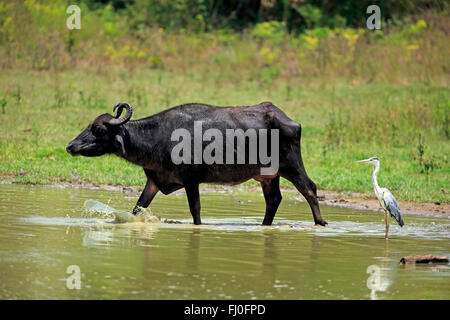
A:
(350, 200)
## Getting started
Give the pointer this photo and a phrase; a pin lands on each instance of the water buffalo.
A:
(150, 143)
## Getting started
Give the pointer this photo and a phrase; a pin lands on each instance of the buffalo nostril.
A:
(69, 148)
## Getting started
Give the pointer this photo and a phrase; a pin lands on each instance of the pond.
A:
(46, 230)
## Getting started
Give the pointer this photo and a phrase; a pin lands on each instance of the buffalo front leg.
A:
(272, 195)
(193, 196)
(146, 197)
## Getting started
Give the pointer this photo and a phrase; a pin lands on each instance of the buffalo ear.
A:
(118, 143)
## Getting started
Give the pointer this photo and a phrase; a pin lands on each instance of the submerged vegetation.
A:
(358, 93)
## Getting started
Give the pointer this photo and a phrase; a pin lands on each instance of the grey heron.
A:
(385, 197)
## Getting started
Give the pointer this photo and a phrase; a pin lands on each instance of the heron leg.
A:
(386, 219)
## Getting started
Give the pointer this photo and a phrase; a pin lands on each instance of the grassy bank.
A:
(357, 93)
(406, 126)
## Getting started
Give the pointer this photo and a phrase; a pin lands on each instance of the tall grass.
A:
(401, 125)
(34, 36)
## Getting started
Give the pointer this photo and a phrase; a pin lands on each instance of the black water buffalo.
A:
(154, 144)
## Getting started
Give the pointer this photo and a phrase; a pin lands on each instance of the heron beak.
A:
(366, 160)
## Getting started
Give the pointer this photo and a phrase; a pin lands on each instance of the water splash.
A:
(92, 207)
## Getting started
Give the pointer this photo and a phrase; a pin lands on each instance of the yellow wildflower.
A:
(268, 55)
(421, 24)
(7, 22)
(311, 42)
(412, 47)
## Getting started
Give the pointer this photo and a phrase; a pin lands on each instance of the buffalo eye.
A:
(98, 130)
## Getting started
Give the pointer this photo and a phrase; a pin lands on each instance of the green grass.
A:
(405, 126)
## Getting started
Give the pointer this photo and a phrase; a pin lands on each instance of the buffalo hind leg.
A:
(194, 202)
(272, 195)
(147, 195)
(309, 190)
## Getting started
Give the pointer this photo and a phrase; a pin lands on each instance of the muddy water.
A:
(45, 230)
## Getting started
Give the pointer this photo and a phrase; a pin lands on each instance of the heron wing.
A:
(391, 205)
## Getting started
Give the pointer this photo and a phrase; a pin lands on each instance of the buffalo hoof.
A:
(322, 223)
(137, 210)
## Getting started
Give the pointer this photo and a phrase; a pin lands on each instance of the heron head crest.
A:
(373, 160)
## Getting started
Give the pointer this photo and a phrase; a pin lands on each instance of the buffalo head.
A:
(102, 135)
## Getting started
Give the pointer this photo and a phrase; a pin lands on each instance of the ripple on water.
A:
(97, 213)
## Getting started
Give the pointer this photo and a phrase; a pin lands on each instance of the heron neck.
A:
(374, 177)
